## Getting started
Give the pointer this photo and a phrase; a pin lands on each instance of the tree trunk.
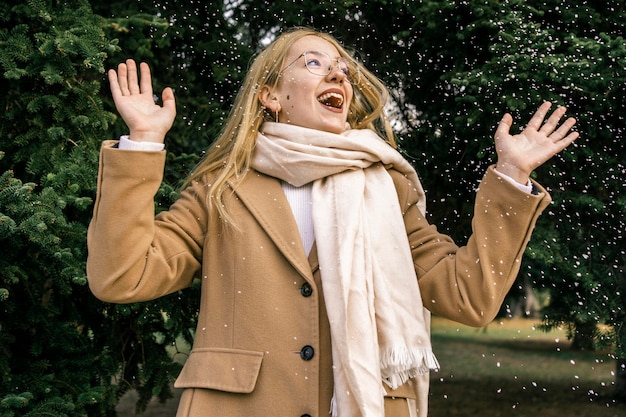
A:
(521, 300)
(584, 336)
(619, 393)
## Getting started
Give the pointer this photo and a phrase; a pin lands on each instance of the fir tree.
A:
(51, 57)
(58, 352)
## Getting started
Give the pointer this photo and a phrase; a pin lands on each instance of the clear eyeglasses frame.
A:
(320, 63)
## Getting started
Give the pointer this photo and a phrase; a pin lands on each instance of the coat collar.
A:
(266, 201)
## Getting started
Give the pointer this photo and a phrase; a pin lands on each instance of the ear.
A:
(269, 99)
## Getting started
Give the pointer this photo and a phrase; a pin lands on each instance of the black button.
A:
(307, 353)
(305, 415)
(306, 290)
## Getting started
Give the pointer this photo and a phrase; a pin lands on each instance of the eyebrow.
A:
(325, 53)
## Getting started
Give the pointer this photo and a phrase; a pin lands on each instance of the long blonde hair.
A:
(230, 155)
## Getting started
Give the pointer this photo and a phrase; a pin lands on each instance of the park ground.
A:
(507, 369)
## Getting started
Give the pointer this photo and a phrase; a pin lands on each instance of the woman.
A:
(307, 229)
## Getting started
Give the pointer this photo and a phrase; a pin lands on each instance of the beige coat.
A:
(262, 345)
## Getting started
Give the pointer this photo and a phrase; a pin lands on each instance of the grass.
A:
(507, 369)
(510, 368)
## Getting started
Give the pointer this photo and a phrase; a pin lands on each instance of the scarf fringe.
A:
(399, 364)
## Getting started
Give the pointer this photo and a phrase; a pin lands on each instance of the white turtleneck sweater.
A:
(301, 205)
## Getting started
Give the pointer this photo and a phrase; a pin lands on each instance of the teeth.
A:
(331, 99)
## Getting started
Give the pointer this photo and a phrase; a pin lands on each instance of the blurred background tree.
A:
(454, 68)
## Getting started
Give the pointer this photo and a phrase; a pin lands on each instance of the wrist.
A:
(145, 136)
(518, 175)
(527, 188)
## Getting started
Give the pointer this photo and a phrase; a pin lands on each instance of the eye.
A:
(313, 62)
(343, 66)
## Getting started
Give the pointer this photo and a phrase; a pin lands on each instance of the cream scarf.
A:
(379, 328)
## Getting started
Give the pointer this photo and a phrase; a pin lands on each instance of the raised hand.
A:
(519, 155)
(134, 100)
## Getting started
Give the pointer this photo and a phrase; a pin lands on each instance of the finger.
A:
(114, 85)
(537, 120)
(122, 80)
(561, 132)
(169, 101)
(132, 78)
(566, 141)
(146, 79)
(552, 122)
(504, 126)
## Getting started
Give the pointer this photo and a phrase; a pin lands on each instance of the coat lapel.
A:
(264, 197)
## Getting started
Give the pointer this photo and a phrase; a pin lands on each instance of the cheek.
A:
(350, 95)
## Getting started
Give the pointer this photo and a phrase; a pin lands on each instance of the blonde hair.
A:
(230, 155)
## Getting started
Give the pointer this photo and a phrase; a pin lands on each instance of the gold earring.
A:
(276, 116)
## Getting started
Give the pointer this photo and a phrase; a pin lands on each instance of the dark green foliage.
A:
(51, 63)
(60, 349)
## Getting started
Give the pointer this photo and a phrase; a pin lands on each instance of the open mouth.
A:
(334, 100)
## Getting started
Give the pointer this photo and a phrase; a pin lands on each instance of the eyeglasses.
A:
(320, 63)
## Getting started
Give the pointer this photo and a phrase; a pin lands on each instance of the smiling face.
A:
(306, 99)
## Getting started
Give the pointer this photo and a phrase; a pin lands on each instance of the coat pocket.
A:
(231, 370)
(401, 402)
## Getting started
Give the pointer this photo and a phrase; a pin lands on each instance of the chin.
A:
(336, 128)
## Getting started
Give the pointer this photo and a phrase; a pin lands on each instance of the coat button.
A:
(305, 415)
(307, 353)
(306, 290)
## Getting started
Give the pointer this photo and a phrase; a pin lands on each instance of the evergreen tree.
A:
(62, 352)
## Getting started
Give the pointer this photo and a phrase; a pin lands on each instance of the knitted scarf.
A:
(379, 327)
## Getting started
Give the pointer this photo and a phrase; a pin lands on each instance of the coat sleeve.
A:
(468, 283)
(134, 256)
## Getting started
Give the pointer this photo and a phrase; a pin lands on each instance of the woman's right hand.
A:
(134, 100)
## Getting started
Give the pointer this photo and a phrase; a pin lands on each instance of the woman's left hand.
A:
(519, 155)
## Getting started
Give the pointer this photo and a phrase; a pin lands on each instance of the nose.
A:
(336, 73)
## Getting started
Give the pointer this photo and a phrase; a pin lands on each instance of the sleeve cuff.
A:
(528, 188)
(131, 145)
